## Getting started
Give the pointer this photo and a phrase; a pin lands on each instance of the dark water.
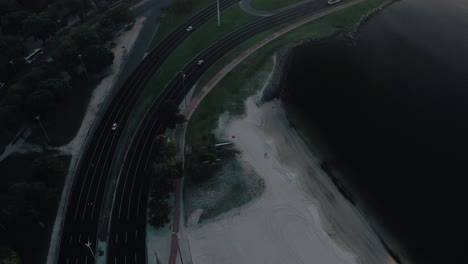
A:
(395, 110)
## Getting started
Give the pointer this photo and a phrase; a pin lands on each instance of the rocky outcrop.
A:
(353, 35)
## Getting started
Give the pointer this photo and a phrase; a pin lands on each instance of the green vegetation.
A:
(30, 189)
(47, 88)
(271, 5)
(164, 170)
(176, 14)
(233, 18)
(230, 92)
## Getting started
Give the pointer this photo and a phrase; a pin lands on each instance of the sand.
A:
(300, 218)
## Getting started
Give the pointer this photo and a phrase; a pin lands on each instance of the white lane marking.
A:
(125, 259)
(139, 197)
(117, 238)
(126, 237)
(71, 237)
(115, 260)
(134, 81)
(138, 165)
(79, 238)
(136, 234)
(77, 258)
(67, 260)
(86, 260)
(136, 258)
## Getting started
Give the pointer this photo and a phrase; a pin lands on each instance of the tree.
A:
(170, 116)
(158, 212)
(121, 15)
(12, 23)
(75, 7)
(104, 32)
(39, 26)
(164, 149)
(96, 58)
(59, 88)
(39, 102)
(11, 47)
(85, 39)
(67, 51)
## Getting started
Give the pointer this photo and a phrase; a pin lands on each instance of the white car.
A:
(200, 62)
(332, 2)
(189, 28)
(114, 126)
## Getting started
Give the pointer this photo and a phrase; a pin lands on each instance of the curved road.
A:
(127, 236)
(80, 224)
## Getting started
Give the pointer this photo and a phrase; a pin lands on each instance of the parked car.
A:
(114, 126)
(189, 28)
(200, 62)
(33, 55)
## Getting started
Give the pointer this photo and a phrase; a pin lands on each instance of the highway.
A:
(84, 205)
(127, 236)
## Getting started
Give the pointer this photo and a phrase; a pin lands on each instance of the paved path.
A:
(245, 5)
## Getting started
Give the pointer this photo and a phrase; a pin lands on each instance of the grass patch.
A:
(234, 17)
(271, 5)
(171, 21)
(229, 94)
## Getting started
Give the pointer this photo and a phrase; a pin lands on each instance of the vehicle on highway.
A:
(332, 2)
(33, 55)
(189, 28)
(114, 126)
(200, 62)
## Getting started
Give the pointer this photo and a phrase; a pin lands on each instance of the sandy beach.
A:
(300, 218)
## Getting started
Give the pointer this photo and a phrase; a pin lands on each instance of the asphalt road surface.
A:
(81, 222)
(127, 236)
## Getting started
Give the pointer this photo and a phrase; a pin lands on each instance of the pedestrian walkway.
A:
(245, 5)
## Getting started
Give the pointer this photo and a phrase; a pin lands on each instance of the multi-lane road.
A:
(127, 231)
(127, 236)
(84, 205)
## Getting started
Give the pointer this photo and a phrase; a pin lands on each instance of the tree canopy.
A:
(96, 58)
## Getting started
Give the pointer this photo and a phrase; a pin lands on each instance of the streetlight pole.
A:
(219, 15)
(84, 67)
(88, 244)
(38, 118)
(183, 87)
(180, 252)
(13, 66)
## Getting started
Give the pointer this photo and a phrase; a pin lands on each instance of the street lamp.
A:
(219, 15)
(38, 118)
(183, 87)
(84, 67)
(12, 65)
(88, 244)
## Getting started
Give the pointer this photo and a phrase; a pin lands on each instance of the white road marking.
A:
(139, 197)
(79, 238)
(71, 237)
(136, 234)
(67, 260)
(126, 237)
(117, 238)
